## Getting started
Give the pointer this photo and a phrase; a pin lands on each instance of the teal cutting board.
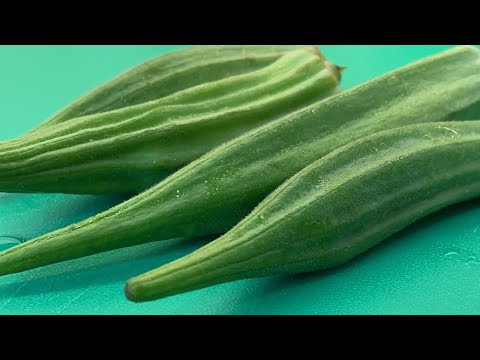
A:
(431, 267)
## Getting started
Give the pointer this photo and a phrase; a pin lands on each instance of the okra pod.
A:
(335, 209)
(170, 73)
(130, 149)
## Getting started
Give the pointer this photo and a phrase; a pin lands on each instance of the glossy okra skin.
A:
(131, 149)
(334, 209)
(170, 73)
(212, 194)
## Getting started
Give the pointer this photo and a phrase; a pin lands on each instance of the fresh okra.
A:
(130, 149)
(213, 193)
(170, 73)
(334, 209)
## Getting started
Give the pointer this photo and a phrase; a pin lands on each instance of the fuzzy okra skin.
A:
(131, 149)
(334, 209)
(213, 193)
(171, 73)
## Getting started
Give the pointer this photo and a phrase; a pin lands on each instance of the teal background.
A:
(431, 267)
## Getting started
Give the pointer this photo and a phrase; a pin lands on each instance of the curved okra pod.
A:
(131, 149)
(334, 209)
(170, 73)
(213, 193)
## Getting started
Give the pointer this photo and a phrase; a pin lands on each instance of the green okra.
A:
(334, 209)
(213, 193)
(131, 149)
(170, 73)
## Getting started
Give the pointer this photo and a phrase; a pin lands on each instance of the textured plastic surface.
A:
(431, 267)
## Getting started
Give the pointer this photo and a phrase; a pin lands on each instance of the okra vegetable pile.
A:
(256, 145)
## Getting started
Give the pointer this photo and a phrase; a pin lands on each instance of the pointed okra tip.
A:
(336, 70)
(138, 289)
(208, 266)
(133, 291)
(142, 289)
(129, 292)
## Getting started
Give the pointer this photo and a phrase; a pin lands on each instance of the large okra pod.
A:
(171, 73)
(335, 209)
(212, 194)
(131, 149)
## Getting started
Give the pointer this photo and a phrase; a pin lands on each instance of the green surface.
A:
(431, 267)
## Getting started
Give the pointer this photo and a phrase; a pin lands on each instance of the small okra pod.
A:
(131, 149)
(170, 73)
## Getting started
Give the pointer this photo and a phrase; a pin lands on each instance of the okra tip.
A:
(339, 71)
(336, 70)
(138, 290)
(129, 293)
